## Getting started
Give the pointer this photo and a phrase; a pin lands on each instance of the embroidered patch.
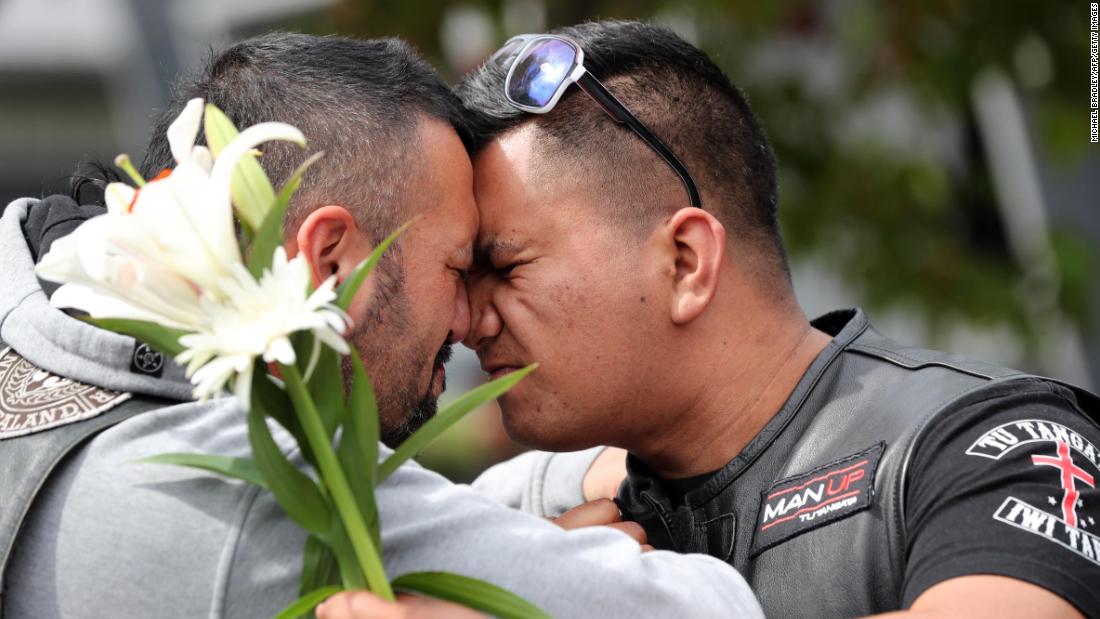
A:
(1053, 446)
(1005, 438)
(1026, 517)
(32, 399)
(798, 504)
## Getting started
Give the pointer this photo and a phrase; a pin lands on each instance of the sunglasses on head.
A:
(542, 66)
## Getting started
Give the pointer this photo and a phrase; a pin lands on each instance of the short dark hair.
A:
(358, 100)
(677, 91)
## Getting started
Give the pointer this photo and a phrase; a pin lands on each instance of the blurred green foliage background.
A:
(904, 219)
(871, 108)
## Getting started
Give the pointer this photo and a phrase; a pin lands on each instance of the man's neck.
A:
(745, 388)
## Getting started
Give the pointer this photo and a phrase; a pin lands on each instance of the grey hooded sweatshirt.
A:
(108, 537)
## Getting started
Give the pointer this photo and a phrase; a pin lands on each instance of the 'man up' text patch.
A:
(824, 495)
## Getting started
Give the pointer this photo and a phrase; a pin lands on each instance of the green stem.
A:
(333, 476)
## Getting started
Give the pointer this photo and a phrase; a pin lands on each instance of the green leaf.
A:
(367, 554)
(358, 450)
(164, 339)
(326, 386)
(307, 602)
(302, 341)
(270, 233)
(470, 592)
(251, 191)
(351, 573)
(239, 468)
(345, 292)
(276, 404)
(298, 495)
(448, 417)
(274, 400)
(319, 567)
(362, 416)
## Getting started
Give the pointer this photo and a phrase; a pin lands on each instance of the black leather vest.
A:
(865, 396)
(26, 463)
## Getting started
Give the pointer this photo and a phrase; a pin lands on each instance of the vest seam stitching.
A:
(898, 360)
(663, 514)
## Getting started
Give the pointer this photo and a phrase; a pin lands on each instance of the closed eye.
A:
(506, 269)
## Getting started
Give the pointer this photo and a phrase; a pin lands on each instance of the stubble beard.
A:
(387, 340)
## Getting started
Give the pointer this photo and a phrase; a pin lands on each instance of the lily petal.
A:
(242, 386)
(280, 350)
(200, 156)
(99, 305)
(120, 197)
(221, 176)
(333, 340)
(61, 263)
(183, 130)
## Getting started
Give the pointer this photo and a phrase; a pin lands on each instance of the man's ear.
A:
(331, 242)
(697, 244)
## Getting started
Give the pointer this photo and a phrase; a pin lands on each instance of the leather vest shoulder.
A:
(879, 392)
(27, 461)
(866, 391)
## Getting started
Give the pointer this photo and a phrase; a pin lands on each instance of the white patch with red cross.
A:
(1074, 464)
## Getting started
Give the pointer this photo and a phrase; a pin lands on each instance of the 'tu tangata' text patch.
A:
(798, 504)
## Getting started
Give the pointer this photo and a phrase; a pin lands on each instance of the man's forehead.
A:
(500, 187)
(523, 204)
(502, 168)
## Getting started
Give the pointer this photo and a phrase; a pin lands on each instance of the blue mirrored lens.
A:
(540, 71)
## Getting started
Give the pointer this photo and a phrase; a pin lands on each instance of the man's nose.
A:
(460, 325)
(485, 322)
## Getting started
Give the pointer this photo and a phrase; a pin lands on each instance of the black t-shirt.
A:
(677, 489)
(985, 495)
(1008, 486)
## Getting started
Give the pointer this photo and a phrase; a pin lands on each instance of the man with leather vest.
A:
(629, 244)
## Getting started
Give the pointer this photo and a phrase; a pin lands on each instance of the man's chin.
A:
(530, 429)
(412, 414)
(395, 433)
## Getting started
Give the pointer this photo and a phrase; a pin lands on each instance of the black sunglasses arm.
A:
(616, 110)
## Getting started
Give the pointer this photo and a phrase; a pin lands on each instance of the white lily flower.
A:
(113, 267)
(167, 253)
(257, 320)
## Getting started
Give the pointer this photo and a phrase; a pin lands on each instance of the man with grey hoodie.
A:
(95, 534)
